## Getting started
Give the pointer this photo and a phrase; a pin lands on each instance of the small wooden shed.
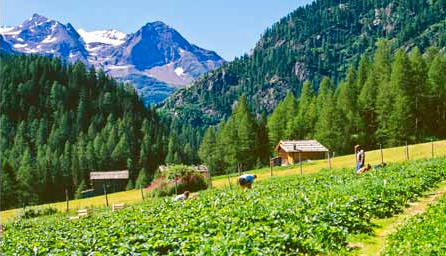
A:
(289, 150)
(203, 169)
(113, 181)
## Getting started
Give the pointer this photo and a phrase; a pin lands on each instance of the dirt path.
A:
(374, 245)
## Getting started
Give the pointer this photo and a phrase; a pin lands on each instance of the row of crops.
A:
(310, 214)
(424, 234)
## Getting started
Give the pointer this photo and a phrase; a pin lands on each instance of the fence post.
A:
(381, 150)
(432, 144)
(105, 192)
(329, 160)
(66, 198)
(300, 162)
(407, 151)
(210, 178)
(271, 166)
(142, 194)
(229, 180)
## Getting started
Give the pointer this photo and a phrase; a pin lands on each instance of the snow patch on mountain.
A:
(49, 39)
(9, 31)
(179, 71)
(20, 45)
(111, 37)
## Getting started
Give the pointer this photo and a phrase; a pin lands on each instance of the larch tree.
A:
(400, 125)
(419, 78)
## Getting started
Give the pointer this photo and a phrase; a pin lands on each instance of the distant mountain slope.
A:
(41, 35)
(156, 58)
(322, 38)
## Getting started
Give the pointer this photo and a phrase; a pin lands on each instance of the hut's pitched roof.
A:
(301, 145)
(110, 175)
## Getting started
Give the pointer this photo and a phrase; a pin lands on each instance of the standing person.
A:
(182, 197)
(360, 157)
(246, 180)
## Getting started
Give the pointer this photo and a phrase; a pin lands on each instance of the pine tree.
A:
(221, 149)
(363, 72)
(263, 147)
(244, 145)
(142, 180)
(79, 189)
(400, 126)
(328, 128)
(305, 119)
(27, 180)
(207, 151)
(65, 164)
(130, 185)
(121, 152)
(367, 110)
(171, 151)
(290, 108)
(385, 96)
(436, 95)
(9, 186)
(419, 78)
(347, 104)
(276, 124)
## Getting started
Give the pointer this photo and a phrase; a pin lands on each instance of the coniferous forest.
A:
(389, 99)
(60, 121)
(368, 72)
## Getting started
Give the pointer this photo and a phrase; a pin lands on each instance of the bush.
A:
(187, 179)
(32, 213)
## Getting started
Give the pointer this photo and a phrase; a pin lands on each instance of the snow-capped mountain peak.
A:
(156, 58)
(111, 36)
(36, 19)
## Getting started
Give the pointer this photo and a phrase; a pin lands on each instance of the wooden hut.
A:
(203, 169)
(112, 181)
(289, 151)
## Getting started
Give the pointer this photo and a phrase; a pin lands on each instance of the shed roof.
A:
(301, 146)
(110, 175)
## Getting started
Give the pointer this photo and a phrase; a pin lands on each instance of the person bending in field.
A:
(364, 169)
(182, 197)
(381, 165)
(246, 180)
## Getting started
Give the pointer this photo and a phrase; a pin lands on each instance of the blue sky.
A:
(229, 27)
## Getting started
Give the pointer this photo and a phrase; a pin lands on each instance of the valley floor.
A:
(390, 155)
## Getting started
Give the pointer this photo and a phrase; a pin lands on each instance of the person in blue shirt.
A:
(246, 180)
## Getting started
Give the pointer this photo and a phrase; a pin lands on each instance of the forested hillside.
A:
(388, 99)
(320, 39)
(59, 122)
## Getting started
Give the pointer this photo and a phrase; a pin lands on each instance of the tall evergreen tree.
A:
(418, 80)
(400, 126)
(208, 149)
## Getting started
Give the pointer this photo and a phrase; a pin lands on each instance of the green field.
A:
(310, 214)
(424, 234)
(391, 155)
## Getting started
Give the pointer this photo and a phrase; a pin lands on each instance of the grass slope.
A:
(391, 155)
(424, 234)
(374, 244)
(310, 214)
